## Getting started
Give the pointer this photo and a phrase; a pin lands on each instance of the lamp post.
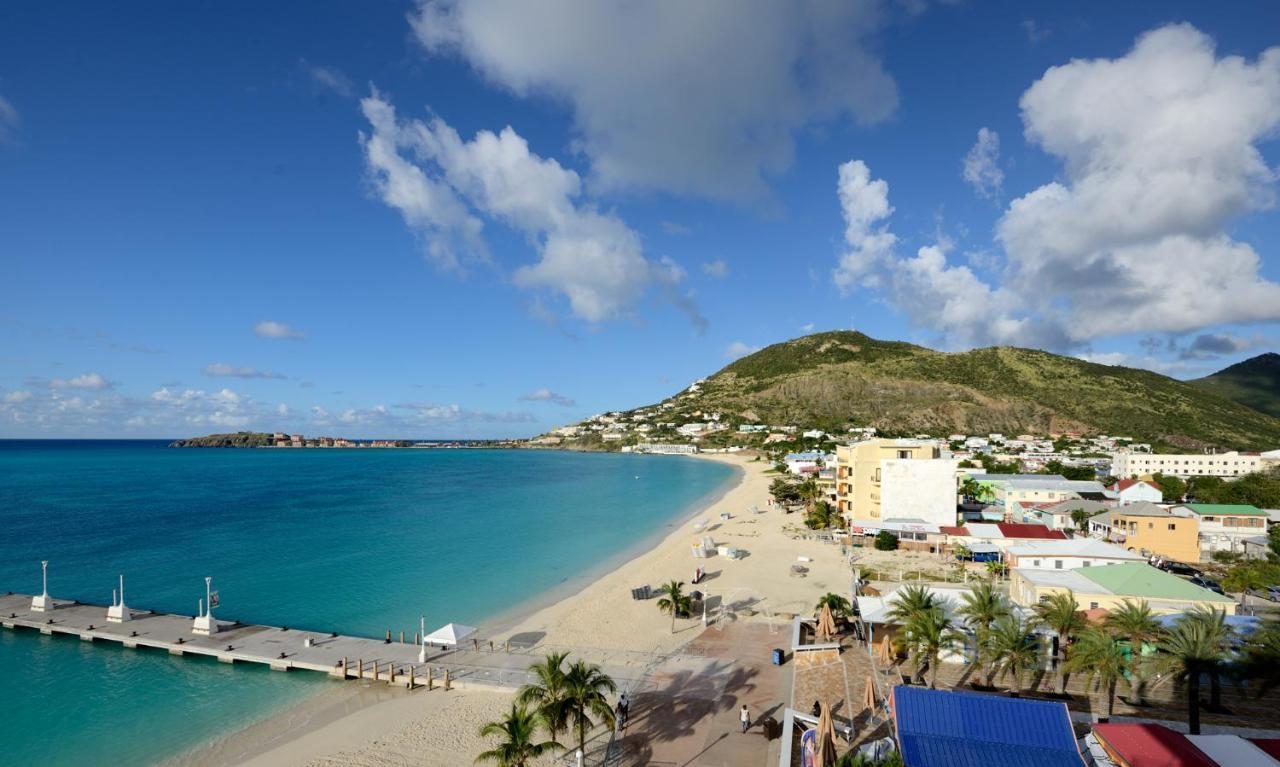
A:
(422, 634)
(43, 603)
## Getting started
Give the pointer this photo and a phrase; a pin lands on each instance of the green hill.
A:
(835, 380)
(1254, 382)
(238, 439)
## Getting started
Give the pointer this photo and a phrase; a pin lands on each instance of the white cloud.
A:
(17, 397)
(279, 330)
(1034, 32)
(710, 101)
(546, 395)
(982, 164)
(591, 258)
(223, 370)
(428, 414)
(282, 410)
(864, 203)
(1136, 238)
(739, 349)
(674, 227)
(328, 78)
(9, 121)
(91, 381)
(718, 268)
(807, 328)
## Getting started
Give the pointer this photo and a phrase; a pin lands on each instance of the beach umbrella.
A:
(869, 700)
(826, 623)
(825, 755)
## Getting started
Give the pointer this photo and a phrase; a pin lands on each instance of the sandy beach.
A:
(351, 725)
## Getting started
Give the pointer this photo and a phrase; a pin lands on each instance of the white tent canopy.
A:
(450, 634)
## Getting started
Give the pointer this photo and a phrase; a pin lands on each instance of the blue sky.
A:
(484, 220)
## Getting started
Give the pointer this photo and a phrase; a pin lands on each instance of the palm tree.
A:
(909, 602)
(980, 608)
(1136, 622)
(1060, 613)
(517, 747)
(1190, 648)
(840, 606)
(1013, 649)
(809, 492)
(586, 688)
(995, 568)
(676, 602)
(547, 695)
(1081, 518)
(1215, 622)
(930, 633)
(1100, 657)
(1260, 656)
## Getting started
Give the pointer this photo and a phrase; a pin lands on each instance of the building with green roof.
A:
(1224, 526)
(1108, 586)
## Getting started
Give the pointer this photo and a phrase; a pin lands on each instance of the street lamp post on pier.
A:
(118, 612)
(205, 625)
(43, 603)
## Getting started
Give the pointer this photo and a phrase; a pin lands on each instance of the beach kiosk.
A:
(449, 635)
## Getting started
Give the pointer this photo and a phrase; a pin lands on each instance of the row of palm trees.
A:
(1200, 642)
(561, 699)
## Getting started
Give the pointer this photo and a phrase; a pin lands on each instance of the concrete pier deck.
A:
(284, 649)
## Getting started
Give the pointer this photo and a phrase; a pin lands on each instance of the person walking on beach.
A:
(744, 717)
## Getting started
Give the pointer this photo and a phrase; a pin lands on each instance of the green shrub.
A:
(886, 541)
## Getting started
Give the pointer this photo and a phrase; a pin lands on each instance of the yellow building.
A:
(1148, 529)
(860, 470)
(1107, 587)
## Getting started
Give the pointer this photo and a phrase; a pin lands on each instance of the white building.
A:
(916, 489)
(1126, 464)
(1134, 490)
(1068, 554)
(1224, 526)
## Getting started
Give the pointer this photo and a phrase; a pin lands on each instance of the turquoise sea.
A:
(355, 541)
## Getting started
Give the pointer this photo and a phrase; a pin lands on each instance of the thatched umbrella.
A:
(826, 623)
(825, 756)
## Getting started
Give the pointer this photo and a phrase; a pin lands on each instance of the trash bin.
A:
(777, 656)
(771, 728)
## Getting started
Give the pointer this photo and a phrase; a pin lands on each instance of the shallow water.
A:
(354, 541)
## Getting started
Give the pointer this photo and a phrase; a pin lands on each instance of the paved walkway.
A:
(687, 712)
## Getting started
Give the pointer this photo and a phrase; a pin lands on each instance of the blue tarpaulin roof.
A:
(962, 729)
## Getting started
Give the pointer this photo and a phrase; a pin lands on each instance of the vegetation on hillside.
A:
(238, 439)
(1254, 382)
(841, 379)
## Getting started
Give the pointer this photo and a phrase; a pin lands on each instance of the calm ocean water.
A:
(355, 541)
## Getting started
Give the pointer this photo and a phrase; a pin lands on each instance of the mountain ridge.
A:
(840, 379)
(1254, 382)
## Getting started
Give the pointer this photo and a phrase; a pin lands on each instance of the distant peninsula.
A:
(282, 440)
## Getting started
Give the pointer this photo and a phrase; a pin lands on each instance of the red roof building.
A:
(1148, 745)
(1027, 530)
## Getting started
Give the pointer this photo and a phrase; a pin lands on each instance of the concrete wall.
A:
(912, 489)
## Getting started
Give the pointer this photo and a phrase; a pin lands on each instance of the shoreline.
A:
(340, 718)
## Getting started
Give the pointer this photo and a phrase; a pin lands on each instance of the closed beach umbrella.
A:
(826, 623)
(825, 756)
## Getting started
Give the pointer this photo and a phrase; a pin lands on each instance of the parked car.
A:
(1178, 568)
(1273, 593)
(1207, 583)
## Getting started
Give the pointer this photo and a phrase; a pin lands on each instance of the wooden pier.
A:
(283, 649)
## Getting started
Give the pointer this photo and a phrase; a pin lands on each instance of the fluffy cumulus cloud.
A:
(1135, 237)
(546, 395)
(657, 115)
(89, 381)
(444, 186)
(277, 330)
(739, 349)
(223, 370)
(982, 164)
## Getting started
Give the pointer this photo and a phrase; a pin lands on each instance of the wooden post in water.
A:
(388, 639)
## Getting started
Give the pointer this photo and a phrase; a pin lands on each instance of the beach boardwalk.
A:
(282, 648)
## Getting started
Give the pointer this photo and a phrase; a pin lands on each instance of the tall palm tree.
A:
(586, 688)
(1260, 656)
(1081, 518)
(980, 608)
(1100, 656)
(930, 633)
(840, 606)
(518, 746)
(910, 601)
(809, 492)
(1013, 650)
(675, 602)
(1190, 648)
(1136, 622)
(547, 695)
(1061, 613)
(1216, 625)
